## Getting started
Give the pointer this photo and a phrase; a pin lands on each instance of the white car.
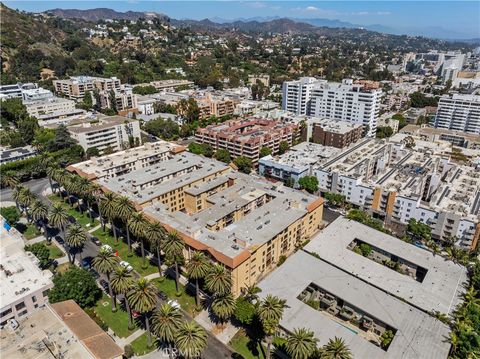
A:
(174, 304)
(126, 265)
(106, 247)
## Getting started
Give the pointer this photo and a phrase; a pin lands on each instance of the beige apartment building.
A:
(125, 101)
(244, 223)
(76, 87)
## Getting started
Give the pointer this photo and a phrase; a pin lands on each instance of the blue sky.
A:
(456, 16)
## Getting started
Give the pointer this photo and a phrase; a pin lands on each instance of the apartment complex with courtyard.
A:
(241, 221)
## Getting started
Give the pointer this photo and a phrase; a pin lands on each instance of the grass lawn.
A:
(139, 345)
(82, 219)
(117, 321)
(186, 301)
(62, 268)
(122, 248)
(241, 343)
(29, 230)
(55, 252)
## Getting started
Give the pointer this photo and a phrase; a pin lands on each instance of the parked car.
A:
(86, 263)
(94, 273)
(126, 265)
(136, 314)
(96, 241)
(59, 240)
(162, 295)
(174, 303)
(104, 284)
(107, 247)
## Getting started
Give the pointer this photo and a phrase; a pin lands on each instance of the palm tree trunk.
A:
(170, 350)
(197, 293)
(51, 184)
(176, 275)
(269, 344)
(80, 255)
(147, 328)
(128, 239)
(159, 261)
(69, 199)
(89, 211)
(114, 229)
(110, 292)
(129, 312)
(143, 251)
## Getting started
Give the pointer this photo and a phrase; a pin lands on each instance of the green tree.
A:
(40, 251)
(301, 344)
(283, 147)
(309, 183)
(13, 110)
(335, 199)
(218, 280)
(191, 339)
(143, 298)
(137, 224)
(11, 215)
(419, 230)
(76, 284)
(197, 268)
(244, 311)
(165, 129)
(223, 155)
(122, 283)
(58, 217)
(189, 109)
(173, 247)
(92, 152)
(62, 138)
(144, 90)
(165, 322)
(106, 262)
(384, 132)
(336, 349)
(108, 208)
(39, 213)
(9, 180)
(386, 338)
(243, 164)
(265, 151)
(196, 148)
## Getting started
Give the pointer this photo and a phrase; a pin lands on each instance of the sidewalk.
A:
(124, 341)
(223, 333)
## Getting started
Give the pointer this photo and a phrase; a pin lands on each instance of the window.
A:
(20, 306)
(6, 312)
(34, 299)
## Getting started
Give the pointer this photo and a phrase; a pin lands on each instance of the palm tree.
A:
(166, 321)
(58, 217)
(301, 344)
(106, 262)
(197, 268)
(61, 176)
(121, 283)
(173, 246)
(26, 199)
(108, 205)
(75, 239)
(137, 224)
(270, 312)
(50, 171)
(223, 306)
(218, 280)
(9, 180)
(39, 212)
(143, 298)
(124, 210)
(85, 189)
(191, 339)
(17, 195)
(71, 186)
(250, 293)
(155, 233)
(336, 349)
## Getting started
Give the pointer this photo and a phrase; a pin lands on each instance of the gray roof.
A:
(418, 334)
(11, 154)
(441, 289)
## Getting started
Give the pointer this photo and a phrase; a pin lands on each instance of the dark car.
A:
(96, 241)
(162, 295)
(104, 284)
(87, 262)
(59, 240)
(94, 273)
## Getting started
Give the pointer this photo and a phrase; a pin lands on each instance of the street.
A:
(37, 186)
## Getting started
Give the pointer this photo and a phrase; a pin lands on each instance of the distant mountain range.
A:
(263, 24)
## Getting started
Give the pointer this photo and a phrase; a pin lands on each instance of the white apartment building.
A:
(459, 112)
(50, 105)
(395, 183)
(37, 94)
(296, 95)
(113, 132)
(345, 101)
(348, 102)
(15, 90)
(23, 285)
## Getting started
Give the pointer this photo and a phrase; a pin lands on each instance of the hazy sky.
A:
(457, 16)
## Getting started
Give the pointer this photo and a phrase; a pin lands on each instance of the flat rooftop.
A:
(100, 123)
(334, 126)
(441, 289)
(20, 275)
(418, 335)
(38, 333)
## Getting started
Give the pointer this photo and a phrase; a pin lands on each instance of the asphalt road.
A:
(36, 186)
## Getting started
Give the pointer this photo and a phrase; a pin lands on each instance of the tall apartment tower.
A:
(346, 101)
(459, 112)
(296, 95)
